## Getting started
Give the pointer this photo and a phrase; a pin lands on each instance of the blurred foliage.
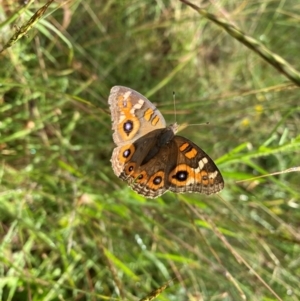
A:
(70, 230)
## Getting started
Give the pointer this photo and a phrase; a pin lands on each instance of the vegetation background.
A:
(70, 230)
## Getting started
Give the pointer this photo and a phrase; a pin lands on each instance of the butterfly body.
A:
(149, 155)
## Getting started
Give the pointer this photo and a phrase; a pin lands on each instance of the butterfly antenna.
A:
(174, 102)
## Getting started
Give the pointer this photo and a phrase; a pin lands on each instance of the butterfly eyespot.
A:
(126, 153)
(157, 180)
(181, 176)
(130, 168)
(128, 126)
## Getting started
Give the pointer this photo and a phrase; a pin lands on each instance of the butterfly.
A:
(149, 155)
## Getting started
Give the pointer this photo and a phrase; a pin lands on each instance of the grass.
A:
(70, 230)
